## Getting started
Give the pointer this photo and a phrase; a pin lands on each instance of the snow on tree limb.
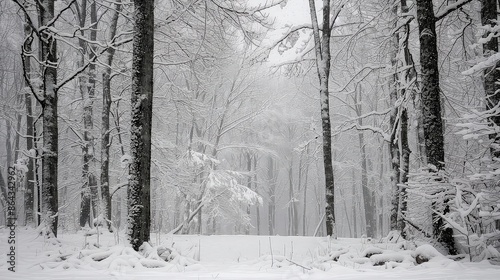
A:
(450, 8)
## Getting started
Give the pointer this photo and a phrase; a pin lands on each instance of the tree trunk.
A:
(394, 123)
(89, 196)
(49, 195)
(304, 210)
(431, 106)
(249, 186)
(292, 211)
(271, 179)
(255, 188)
(492, 74)
(405, 168)
(30, 175)
(105, 125)
(322, 51)
(139, 216)
(368, 200)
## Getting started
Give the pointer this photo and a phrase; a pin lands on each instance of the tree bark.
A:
(105, 124)
(139, 216)
(322, 52)
(431, 106)
(49, 192)
(394, 123)
(30, 175)
(492, 74)
(89, 197)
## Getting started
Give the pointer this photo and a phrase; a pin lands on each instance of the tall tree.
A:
(431, 101)
(48, 100)
(492, 74)
(322, 52)
(400, 86)
(106, 111)
(139, 216)
(87, 81)
(368, 194)
(30, 175)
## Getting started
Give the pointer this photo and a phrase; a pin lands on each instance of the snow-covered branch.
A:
(451, 8)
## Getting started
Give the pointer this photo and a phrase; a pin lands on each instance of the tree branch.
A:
(451, 8)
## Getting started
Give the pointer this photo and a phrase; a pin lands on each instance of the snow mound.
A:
(370, 251)
(399, 257)
(117, 257)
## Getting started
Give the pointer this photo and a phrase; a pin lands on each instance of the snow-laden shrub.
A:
(473, 216)
(467, 205)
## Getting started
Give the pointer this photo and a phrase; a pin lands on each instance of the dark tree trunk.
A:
(431, 106)
(393, 119)
(49, 192)
(89, 196)
(405, 167)
(322, 51)
(139, 216)
(399, 121)
(492, 74)
(30, 175)
(105, 125)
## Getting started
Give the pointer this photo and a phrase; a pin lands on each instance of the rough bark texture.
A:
(139, 216)
(49, 194)
(30, 175)
(399, 148)
(492, 74)
(393, 119)
(405, 167)
(431, 105)
(322, 51)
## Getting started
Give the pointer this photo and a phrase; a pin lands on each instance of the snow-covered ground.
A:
(75, 256)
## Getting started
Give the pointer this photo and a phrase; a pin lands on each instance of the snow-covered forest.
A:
(360, 134)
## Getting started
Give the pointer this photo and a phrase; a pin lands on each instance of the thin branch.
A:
(451, 8)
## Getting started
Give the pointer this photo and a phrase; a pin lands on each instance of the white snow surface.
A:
(75, 256)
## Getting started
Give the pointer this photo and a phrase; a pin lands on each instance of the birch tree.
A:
(322, 52)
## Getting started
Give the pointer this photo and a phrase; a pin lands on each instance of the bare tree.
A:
(322, 51)
(431, 102)
(139, 216)
(105, 124)
(492, 74)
